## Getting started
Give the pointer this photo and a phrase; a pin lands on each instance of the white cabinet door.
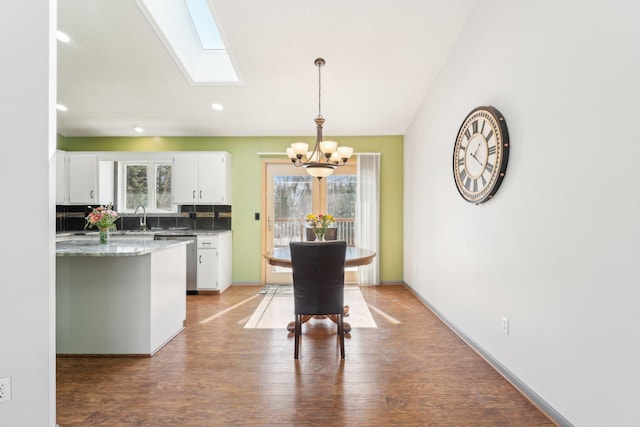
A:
(184, 181)
(202, 179)
(210, 178)
(208, 269)
(83, 178)
(62, 179)
(222, 178)
(224, 260)
(106, 182)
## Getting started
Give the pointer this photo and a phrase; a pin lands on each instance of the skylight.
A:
(204, 25)
(189, 31)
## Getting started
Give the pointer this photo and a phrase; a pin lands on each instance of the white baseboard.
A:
(523, 388)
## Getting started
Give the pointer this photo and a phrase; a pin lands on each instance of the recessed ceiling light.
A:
(217, 107)
(61, 107)
(62, 37)
(138, 129)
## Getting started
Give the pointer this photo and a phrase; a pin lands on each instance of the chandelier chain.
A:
(319, 90)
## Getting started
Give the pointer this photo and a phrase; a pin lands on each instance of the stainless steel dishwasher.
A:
(192, 258)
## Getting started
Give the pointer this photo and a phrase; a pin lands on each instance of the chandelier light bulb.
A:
(320, 171)
(345, 153)
(328, 147)
(300, 148)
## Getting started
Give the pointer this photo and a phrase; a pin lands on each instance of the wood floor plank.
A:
(217, 373)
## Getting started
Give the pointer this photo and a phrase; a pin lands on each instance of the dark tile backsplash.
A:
(193, 217)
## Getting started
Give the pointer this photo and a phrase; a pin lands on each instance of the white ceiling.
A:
(381, 57)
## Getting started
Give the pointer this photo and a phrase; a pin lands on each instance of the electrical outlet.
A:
(505, 325)
(5, 389)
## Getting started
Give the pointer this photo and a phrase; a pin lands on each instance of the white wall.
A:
(27, 211)
(557, 250)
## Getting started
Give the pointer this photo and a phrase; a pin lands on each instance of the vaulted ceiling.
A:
(381, 58)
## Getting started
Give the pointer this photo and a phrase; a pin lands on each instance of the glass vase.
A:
(320, 234)
(104, 235)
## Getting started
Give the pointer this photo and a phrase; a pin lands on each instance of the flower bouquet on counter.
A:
(319, 223)
(103, 218)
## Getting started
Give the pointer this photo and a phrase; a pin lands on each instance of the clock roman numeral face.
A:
(480, 154)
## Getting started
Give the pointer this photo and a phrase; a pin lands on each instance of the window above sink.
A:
(146, 183)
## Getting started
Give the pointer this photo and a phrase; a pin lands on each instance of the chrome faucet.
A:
(143, 219)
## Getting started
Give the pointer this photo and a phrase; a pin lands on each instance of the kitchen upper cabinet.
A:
(83, 178)
(202, 178)
(62, 178)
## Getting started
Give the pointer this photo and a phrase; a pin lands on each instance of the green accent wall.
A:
(247, 186)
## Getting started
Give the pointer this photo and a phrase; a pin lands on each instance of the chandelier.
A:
(326, 156)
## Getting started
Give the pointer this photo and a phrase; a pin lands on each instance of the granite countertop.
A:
(170, 232)
(90, 247)
(152, 232)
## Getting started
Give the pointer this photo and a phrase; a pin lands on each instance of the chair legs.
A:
(341, 334)
(297, 332)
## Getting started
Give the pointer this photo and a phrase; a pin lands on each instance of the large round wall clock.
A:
(480, 154)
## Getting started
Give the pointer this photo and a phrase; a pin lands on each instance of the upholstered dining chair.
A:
(318, 284)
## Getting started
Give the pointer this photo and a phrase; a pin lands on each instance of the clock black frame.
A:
(466, 132)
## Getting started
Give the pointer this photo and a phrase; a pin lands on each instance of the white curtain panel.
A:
(368, 215)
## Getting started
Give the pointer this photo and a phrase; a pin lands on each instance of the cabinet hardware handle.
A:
(200, 259)
(201, 194)
(91, 194)
(194, 194)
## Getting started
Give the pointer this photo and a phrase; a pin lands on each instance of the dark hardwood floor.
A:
(216, 373)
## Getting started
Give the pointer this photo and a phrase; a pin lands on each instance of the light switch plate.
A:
(505, 325)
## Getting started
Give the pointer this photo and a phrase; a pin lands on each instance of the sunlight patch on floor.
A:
(210, 318)
(275, 310)
(389, 318)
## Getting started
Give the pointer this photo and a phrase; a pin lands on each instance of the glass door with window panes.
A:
(292, 194)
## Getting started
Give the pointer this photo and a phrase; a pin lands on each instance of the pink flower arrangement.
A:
(102, 217)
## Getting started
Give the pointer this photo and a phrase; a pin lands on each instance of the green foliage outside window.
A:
(137, 186)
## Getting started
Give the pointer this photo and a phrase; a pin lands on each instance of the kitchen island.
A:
(126, 297)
